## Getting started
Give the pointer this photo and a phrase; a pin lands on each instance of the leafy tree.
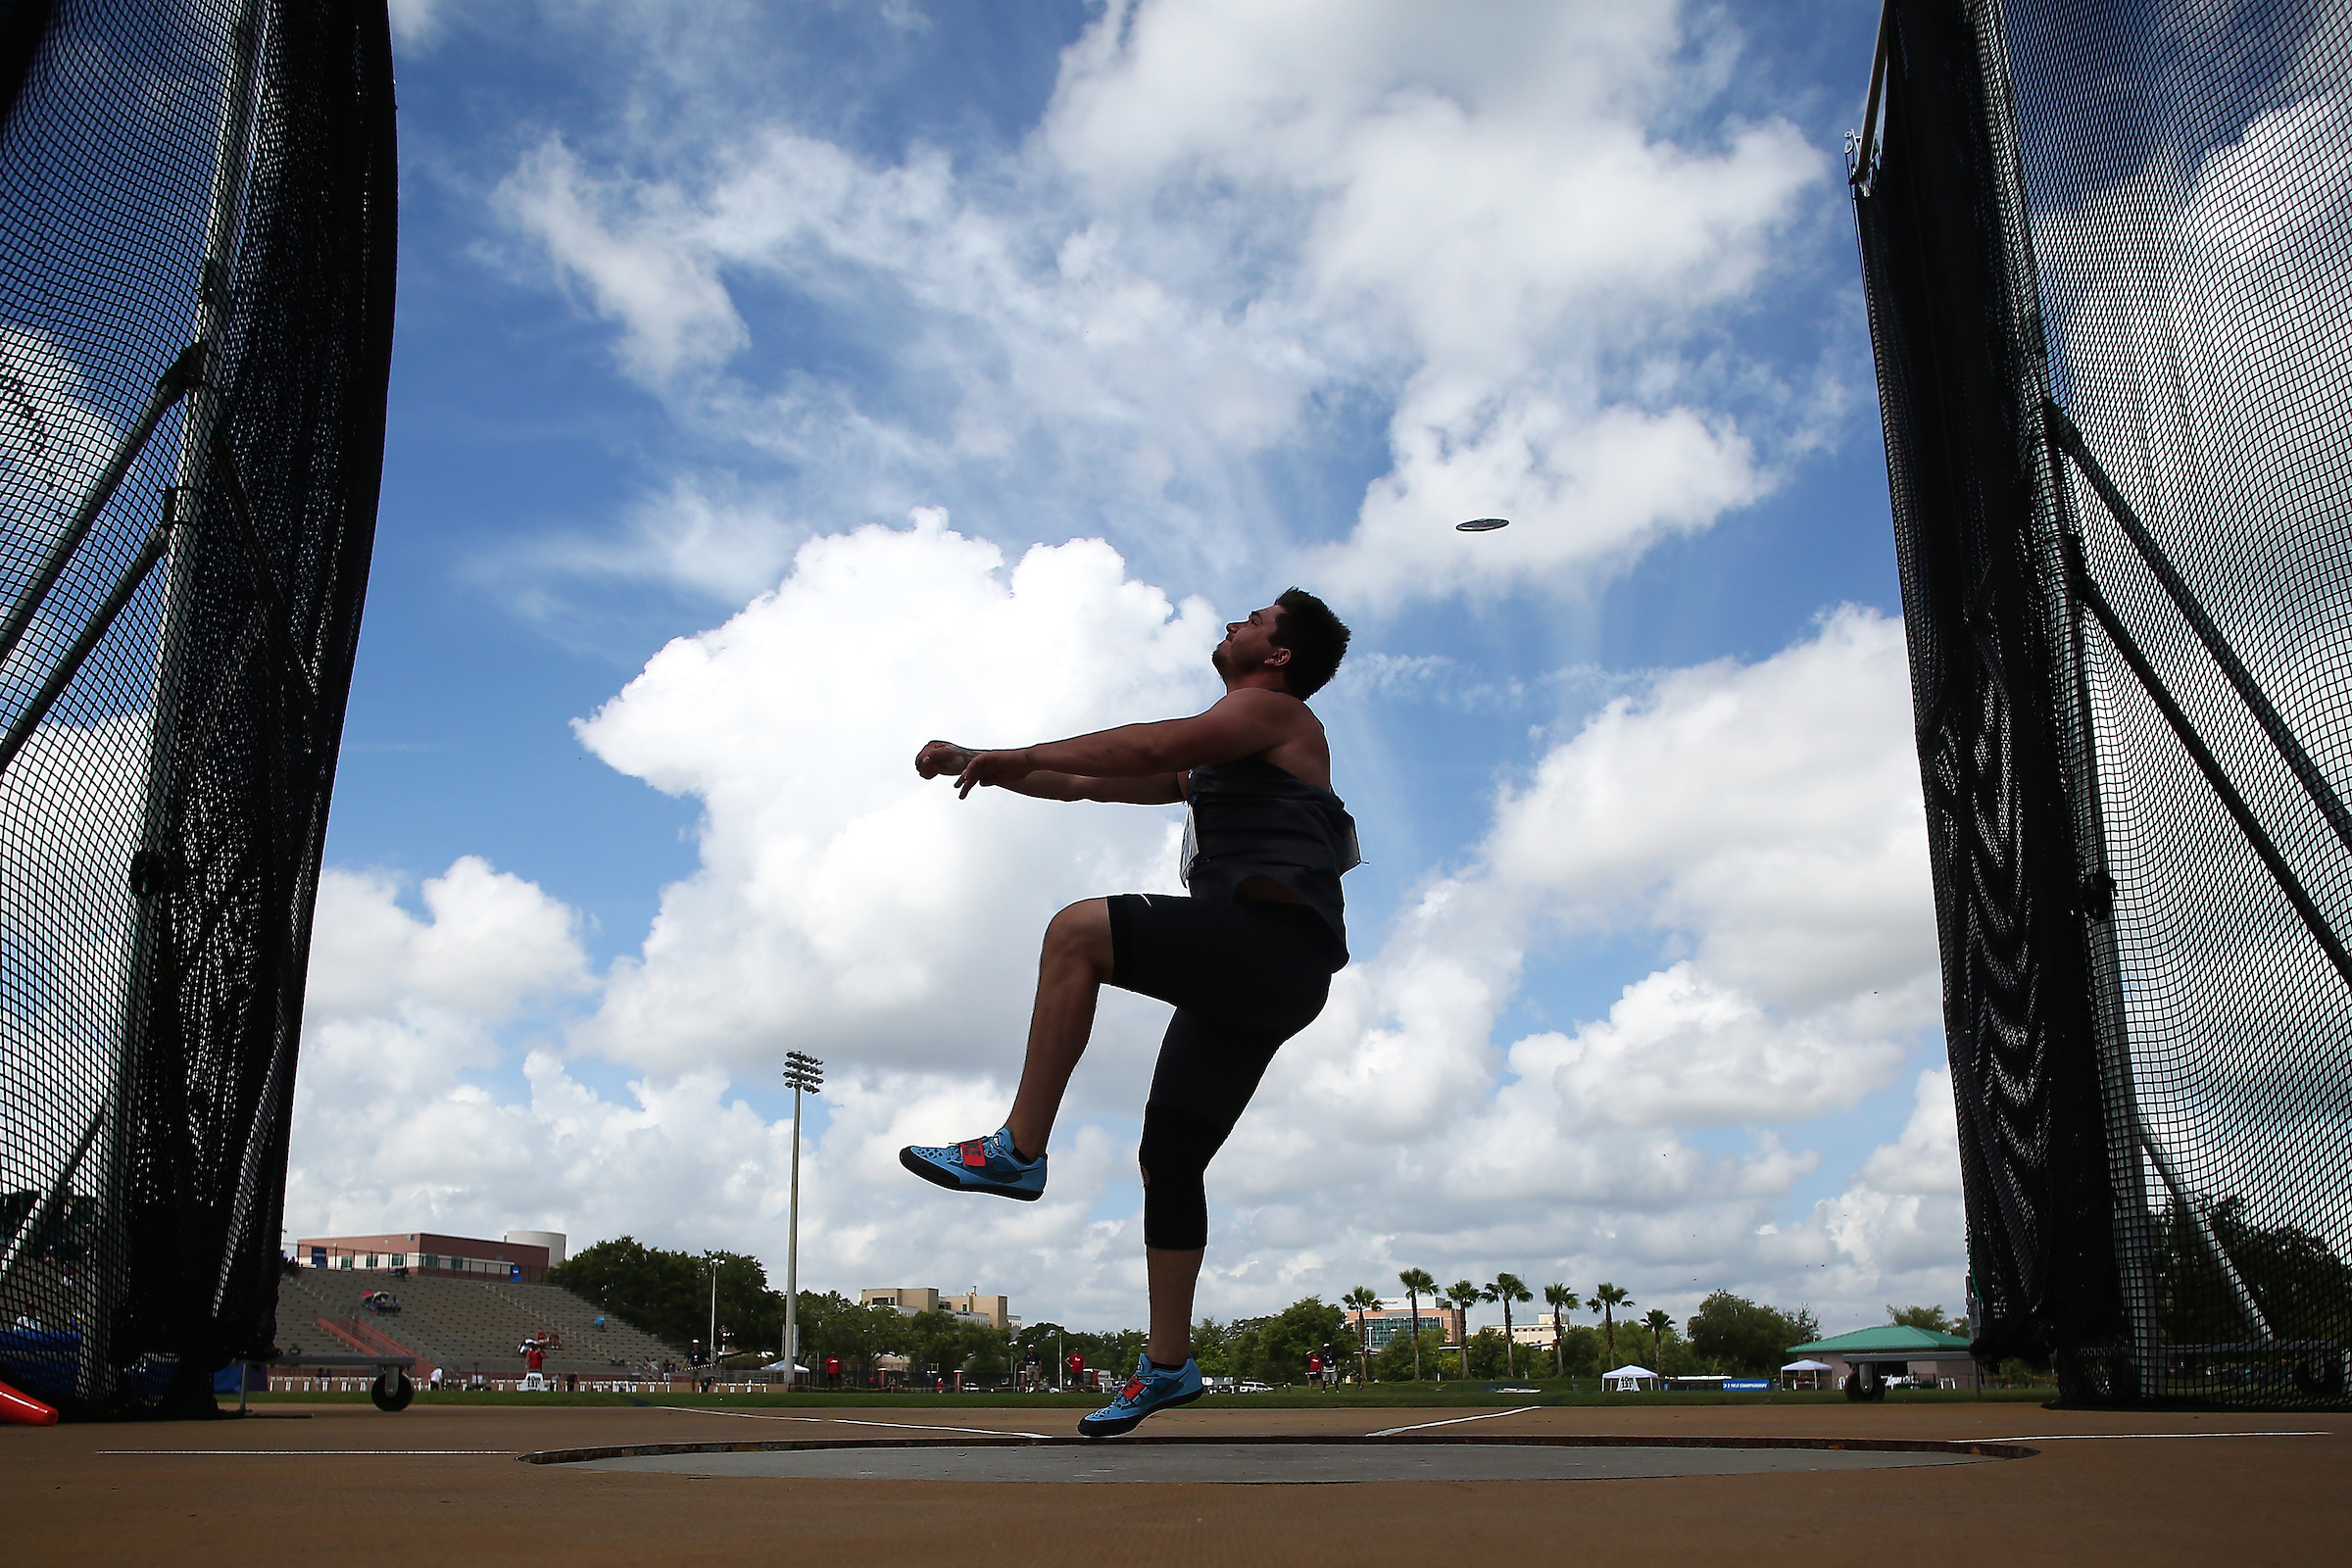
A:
(1212, 1343)
(1562, 1300)
(937, 1340)
(1048, 1342)
(1464, 1295)
(1732, 1334)
(1415, 1281)
(1487, 1353)
(1299, 1331)
(1930, 1318)
(1363, 1298)
(2301, 1286)
(1245, 1346)
(1506, 1289)
(1399, 1360)
(1606, 1298)
(1582, 1351)
(986, 1352)
(859, 1335)
(667, 1294)
(1117, 1351)
(1660, 1324)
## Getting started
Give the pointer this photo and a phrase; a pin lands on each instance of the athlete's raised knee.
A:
(1082, 931)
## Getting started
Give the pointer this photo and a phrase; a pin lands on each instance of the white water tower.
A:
(553, 1240)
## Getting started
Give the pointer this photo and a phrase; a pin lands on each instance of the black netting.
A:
(196, 263)
(2108, 251)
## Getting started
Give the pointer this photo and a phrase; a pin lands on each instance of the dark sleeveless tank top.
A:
(1250, 819)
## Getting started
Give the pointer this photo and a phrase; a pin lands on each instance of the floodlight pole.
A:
(807, 1075)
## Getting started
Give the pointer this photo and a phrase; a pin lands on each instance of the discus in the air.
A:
(1482, 524)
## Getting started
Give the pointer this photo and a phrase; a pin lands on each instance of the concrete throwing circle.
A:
(1300, 1461)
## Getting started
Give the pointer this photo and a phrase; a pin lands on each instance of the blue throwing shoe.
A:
(1151, 1388)
(980, 1165)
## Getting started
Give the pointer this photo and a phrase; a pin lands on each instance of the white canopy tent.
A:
(1627, 1378)
(1812, 1368)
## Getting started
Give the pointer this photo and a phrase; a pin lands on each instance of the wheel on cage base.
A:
(1865, 1382)
(392, 1396)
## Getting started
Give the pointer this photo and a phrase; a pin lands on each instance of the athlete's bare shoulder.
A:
(1299, 747)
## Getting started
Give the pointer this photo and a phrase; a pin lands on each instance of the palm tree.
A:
(1362, 1299)
(1461, 1293)
(1415, 1281)
(1606, 1298)
(1506, 1289)
(1560, 1298)
(1660, 1324)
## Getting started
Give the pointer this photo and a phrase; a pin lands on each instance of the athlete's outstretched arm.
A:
(1151, 789)
(1242, 723)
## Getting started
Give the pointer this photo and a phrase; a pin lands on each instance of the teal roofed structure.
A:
(1894, 1342)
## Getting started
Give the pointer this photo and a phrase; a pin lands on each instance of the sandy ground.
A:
(346, 1485)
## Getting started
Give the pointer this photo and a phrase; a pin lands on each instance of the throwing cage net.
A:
(196, 267)
(2108, 254)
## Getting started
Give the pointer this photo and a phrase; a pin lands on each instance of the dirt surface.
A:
(347, 1485)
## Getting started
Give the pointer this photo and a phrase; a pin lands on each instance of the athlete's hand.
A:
(942, 757)
(993, 767)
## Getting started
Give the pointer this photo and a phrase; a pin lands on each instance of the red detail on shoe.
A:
(1134, 1388)
(973, 1155)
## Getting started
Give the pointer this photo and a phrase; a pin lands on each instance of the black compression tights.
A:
(1244, 978)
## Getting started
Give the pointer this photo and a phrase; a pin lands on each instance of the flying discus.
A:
(1482, 524)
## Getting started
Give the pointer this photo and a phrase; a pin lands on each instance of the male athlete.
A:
(1246, 960)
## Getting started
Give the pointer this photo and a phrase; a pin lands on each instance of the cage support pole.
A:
(233, 158)
(179, 377)
(2118, 1085)
(2208, 764)
(93, 632)
(2206, 1235)
(1864, 164)
(20, 1244)
(2192, 609)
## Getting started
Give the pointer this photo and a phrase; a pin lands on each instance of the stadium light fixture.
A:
(807, 1076)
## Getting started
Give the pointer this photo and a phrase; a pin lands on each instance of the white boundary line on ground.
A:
(301, 1452)
(1389, 1431)
(2097, 1436)
(845, 1421)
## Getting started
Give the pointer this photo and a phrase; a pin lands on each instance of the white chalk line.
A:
(1491, 1415)
(845, 1421)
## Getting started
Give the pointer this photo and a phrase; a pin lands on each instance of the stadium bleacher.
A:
(462, 1326)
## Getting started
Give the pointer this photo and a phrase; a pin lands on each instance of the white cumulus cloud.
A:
(1506, 229)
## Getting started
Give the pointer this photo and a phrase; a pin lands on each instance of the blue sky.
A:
(1645, 980)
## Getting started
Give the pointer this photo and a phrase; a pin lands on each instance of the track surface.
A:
(348, 1484)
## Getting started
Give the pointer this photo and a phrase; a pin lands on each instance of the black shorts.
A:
(1243, 978)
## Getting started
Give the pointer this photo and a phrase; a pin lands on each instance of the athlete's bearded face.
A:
(1249, 645)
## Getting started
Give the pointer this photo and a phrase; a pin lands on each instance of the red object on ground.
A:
(24, 1409)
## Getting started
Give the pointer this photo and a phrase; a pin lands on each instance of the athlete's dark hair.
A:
(1316, 638)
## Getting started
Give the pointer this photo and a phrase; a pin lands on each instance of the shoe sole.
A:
(954, 1184)
(1104, 1430)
